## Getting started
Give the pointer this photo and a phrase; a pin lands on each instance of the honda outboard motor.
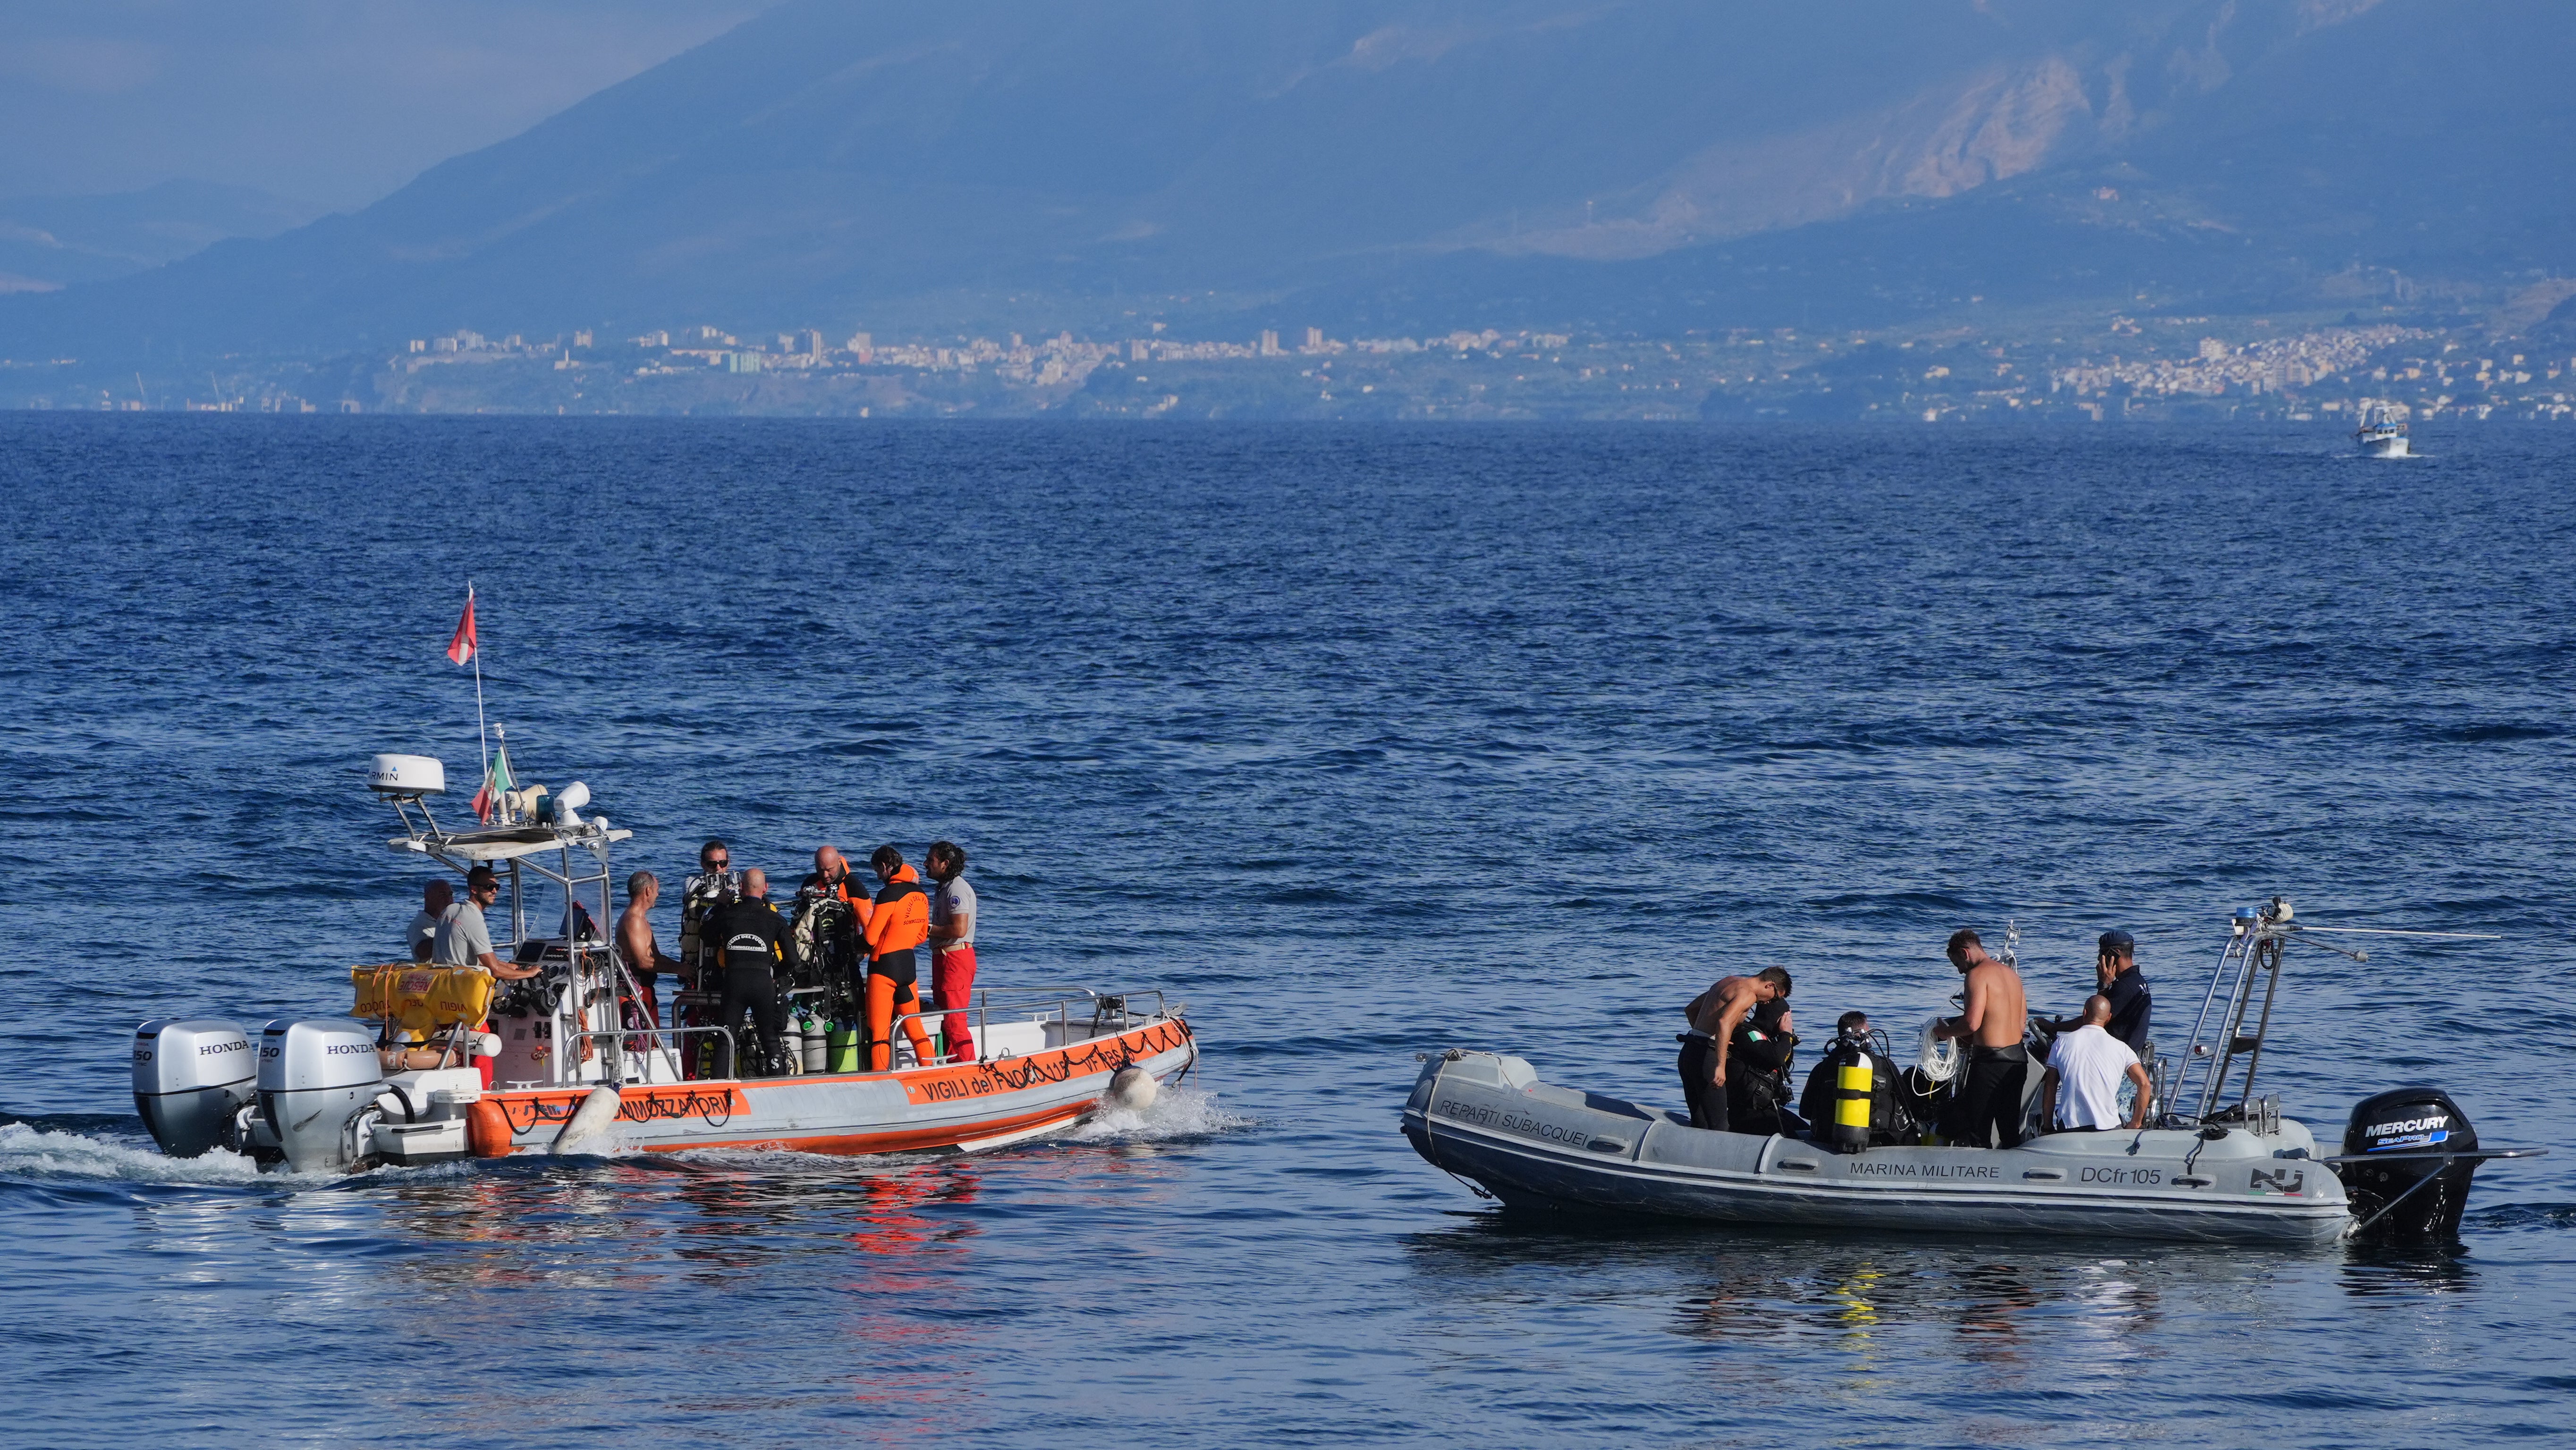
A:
(314, 1077)
(190, 1078)
(2394, 1143)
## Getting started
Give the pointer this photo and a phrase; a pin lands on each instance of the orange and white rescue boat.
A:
(437, 1064)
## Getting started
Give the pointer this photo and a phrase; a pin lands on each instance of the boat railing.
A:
(1050, 1004)
(1061, 1005)
(1034, 993)
(614, 1049)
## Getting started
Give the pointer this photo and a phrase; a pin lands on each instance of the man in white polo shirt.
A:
(2084, 1072)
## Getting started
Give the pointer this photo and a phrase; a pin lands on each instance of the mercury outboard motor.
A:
(2397, 1141)
(190, 1078)
(314, 1077)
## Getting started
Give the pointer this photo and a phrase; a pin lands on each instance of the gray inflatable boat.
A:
(2215, 1163)
(1488, 1118)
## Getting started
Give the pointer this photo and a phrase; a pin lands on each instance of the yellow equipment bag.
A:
(419, 1000)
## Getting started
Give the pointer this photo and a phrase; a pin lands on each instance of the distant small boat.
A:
(2380, 435)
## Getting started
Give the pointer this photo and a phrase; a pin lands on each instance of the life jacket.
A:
(901, 920)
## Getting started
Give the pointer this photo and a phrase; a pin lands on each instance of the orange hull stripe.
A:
(712, 1103)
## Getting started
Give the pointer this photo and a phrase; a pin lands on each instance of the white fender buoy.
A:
(1133, 1089)
(593, 1128)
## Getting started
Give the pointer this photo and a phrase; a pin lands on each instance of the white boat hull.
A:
(958, 1107)
(2389, 447)
(1487, 1118)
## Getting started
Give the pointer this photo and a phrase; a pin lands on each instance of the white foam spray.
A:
(1177, 1112)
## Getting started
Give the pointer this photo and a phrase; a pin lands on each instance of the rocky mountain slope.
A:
(858, 162)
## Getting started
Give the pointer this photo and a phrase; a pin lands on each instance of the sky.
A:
(328, 102)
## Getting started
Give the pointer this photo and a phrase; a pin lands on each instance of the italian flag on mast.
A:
(496, 766)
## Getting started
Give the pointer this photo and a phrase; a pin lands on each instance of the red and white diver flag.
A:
(461, 648)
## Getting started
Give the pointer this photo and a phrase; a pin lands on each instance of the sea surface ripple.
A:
(1364, 742)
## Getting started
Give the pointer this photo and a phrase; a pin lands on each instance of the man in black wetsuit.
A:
(749, 933)
(1757, 1079)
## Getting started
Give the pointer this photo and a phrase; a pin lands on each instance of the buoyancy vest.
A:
(701, 896)
(822, 921)
(901, 918)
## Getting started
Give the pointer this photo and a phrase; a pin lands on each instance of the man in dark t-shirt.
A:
(2132, 1007)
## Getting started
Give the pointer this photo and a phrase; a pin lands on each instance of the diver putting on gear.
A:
(2196, 1155)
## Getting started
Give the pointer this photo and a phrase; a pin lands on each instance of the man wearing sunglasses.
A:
(465, 940)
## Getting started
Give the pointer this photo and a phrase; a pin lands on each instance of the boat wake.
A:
(1177, 1113)
(30, 1154)
(34, 1155)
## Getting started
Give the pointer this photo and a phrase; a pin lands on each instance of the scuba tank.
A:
(791, 1049)
(818, 1046)
(1853, 1081)
(841, 1049)
(1861, 1098)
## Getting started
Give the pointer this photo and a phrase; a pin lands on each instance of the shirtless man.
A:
(1988, 1104)
(637, 949)
(1713, 1017)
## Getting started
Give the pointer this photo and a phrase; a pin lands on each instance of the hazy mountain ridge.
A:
(49, 242)
(842, 162)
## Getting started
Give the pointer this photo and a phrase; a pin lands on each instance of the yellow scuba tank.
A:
(1852, 1084)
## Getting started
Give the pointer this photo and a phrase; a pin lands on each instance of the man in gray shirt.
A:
(463, 939)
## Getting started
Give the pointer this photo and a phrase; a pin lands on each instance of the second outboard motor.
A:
(190, 1078)
(314, 1076)
(2412, 1126)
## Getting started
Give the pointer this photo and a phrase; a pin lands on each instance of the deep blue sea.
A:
(1365, 742)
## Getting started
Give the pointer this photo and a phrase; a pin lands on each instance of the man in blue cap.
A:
(2115, 968)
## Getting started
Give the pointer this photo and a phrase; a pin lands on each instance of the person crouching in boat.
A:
(1714, 1015)
(1757, 1070)
(898, 923)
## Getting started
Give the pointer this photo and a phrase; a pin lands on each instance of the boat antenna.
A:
(467, 648)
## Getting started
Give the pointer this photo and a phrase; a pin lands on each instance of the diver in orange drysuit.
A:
(898, 924)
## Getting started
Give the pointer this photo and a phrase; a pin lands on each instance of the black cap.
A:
(2116, 940)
